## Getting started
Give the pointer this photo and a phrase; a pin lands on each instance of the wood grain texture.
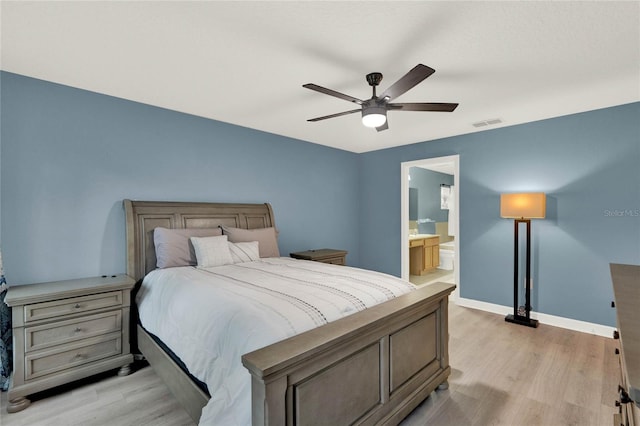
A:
(142, 217)
(106, 399)
(60, 334)
(424, 254)
(301, 357)
(626, 290)
(182, 387)
(333, 256)
(504, 374)
(531, 394)
(417, 319)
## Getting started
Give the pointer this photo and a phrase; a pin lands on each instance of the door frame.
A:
(453, 160)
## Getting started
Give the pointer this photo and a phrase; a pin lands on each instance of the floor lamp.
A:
(522, 208)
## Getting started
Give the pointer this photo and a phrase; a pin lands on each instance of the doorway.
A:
(447, 229)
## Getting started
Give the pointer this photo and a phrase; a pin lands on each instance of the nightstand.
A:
(67, 330)
(336, 257)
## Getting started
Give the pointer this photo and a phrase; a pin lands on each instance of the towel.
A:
(453, 212)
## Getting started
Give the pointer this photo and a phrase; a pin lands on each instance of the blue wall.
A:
(69, 158)
(588, 166)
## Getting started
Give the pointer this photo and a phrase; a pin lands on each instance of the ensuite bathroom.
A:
(432, 217)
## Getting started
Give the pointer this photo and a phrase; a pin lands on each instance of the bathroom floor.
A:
(437, 275)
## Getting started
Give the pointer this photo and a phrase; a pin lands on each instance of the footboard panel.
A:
(325, 395)
(413, 348)
(372, 367)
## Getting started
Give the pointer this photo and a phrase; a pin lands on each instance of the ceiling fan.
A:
(374, 110)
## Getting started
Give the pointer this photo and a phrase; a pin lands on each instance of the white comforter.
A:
(211, 317)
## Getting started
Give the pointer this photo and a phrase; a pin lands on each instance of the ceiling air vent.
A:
(490, 122)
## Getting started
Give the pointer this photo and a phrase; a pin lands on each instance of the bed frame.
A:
(372, 367)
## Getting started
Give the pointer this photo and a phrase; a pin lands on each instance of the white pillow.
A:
(245, 251)
(212, 251)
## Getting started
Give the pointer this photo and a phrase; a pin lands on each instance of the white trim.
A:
(404, 213)
(568, 323)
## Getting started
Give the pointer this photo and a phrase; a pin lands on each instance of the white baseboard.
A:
(568, 323)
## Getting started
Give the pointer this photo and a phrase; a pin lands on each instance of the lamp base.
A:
(517, 319)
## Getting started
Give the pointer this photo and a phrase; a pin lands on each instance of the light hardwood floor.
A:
(433, 276)
(502, 374)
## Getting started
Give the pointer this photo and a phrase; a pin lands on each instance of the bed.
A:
(373, 366)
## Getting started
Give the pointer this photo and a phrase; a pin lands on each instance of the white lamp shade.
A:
(374, 116)
(530, 205)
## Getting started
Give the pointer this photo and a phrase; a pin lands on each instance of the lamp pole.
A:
(516, 317)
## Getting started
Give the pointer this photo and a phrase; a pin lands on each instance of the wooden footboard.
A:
(373, 367)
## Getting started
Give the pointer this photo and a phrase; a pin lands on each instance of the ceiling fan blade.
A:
(332, 93)
(385, 126)
(335, 115)
(425, 106)
(409, 80)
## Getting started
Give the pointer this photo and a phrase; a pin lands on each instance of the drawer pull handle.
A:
(77, 330)
(77, 306)
(624, 396)
(80, 356)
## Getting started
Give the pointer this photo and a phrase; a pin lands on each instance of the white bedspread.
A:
(211, 317)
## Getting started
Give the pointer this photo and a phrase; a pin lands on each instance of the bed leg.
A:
(444, 385)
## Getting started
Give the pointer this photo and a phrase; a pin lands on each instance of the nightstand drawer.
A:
(82, 352)
(40, 311)
(333, 260)
(61, 332)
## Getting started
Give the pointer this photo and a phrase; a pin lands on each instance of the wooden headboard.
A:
(142, 217)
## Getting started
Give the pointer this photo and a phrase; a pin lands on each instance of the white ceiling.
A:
(245, 62)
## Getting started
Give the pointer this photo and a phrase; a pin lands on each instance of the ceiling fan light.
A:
(374, 116)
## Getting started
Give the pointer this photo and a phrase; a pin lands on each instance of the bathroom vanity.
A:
(424, 253)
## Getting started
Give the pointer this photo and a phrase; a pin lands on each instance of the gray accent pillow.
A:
(173, 247)
(267, 239)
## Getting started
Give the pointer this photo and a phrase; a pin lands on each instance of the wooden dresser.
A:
(626, 290)
(424, 253)
(67, 330)
(336, 257)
